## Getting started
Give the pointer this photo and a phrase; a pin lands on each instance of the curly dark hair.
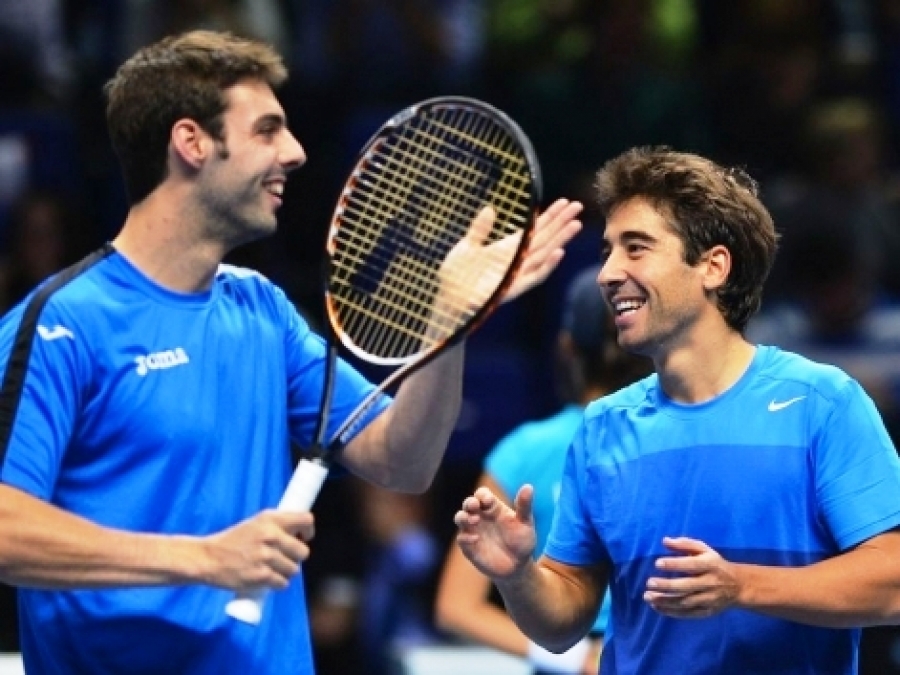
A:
(706, 205)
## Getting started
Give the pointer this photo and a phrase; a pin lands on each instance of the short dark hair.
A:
(179, 76)
(706, 205)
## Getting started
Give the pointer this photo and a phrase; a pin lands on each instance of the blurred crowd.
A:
(805, 94)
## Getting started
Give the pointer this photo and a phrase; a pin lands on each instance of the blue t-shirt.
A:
(790, 466)
(535, 453)
(154, 411)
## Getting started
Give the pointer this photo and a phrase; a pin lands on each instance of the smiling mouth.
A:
(275, 189)
(626, 307)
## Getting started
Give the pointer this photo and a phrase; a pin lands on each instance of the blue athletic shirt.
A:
(790, 466)
(535, 453)
(154, 411)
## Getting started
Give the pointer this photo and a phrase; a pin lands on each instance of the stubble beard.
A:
(236, 222)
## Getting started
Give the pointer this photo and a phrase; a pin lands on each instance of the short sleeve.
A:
(857, 469)
(51, 395)
(573, 539)
(305, 355)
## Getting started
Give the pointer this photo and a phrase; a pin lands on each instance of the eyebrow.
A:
(628, 236)
(270, 118)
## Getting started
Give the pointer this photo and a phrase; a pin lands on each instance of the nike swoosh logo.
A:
(55, 333)
(781, 405)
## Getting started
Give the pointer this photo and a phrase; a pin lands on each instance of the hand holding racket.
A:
(428, 234)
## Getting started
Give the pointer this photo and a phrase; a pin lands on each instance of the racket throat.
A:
(316, 453)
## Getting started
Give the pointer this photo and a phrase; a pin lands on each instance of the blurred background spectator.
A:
(804, 93)
(43, 236)
(35, 64)
(402, 557)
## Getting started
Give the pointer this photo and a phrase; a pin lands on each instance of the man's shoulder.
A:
(253, 288)
(228, 272)
(786, 366)
(631, 396)
(61, 296)
(787, 378)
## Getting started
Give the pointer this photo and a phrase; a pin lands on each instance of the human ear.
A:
(717, 263)
(190, 143)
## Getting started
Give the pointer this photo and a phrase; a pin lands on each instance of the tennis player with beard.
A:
(151, 393)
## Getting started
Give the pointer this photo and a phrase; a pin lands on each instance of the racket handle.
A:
(300, 494)
(305, 485)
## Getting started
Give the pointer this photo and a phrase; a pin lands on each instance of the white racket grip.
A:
(305, 485)
(301, 492)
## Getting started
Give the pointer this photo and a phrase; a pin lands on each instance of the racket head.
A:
(412, 195)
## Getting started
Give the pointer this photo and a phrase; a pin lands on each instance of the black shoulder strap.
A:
(20, 352)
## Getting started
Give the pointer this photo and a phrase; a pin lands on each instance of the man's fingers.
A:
(298, 524)
(687, 606)
(524, 503)
(481, 226)
(553, 230)
(685, 545)
(285, 565)
(551, 226)
(484, 497)
(289, 532)
(677, 587)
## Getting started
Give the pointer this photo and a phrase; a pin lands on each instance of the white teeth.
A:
(628, 306)
(276, 188)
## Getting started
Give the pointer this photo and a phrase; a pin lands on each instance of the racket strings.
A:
(492, 155)
(413, 200)
(447, 187)
(403, 310)
(438, 206)
(451, 176)
(424, 210)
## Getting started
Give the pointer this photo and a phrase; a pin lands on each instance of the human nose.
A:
(293, 154)
(610, 271)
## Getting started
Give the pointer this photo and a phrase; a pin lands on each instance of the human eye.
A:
(636, 248)
(269, 127)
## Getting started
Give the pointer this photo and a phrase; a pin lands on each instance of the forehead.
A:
(248, 100)
(637, 215)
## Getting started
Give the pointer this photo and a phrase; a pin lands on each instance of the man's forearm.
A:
(403, 448)
(855, 589)
(43, 546)
(551, 609)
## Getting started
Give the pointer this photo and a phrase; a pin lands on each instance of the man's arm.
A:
(402, 448)
(860, 587)
(46, 547)
(463, 607)
(554, 604)
(462, 604)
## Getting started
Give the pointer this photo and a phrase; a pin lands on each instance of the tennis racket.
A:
(414, 260)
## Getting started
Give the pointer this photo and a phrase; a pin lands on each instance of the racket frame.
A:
(311, 471)
(408, 364)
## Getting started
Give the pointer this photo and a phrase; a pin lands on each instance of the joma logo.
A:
(159, 360)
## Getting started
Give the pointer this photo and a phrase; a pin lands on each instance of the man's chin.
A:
(262, 228)
(633, 345)
(254, 231)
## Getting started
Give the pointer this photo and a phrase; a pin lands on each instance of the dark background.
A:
(804, 94)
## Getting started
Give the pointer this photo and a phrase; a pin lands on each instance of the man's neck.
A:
(591, 393)
(165, 244)
(701, 371)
